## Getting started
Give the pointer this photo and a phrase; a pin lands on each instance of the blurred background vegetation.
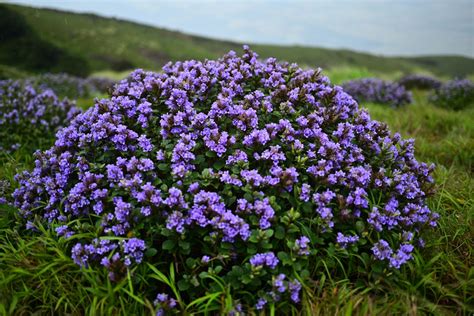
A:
(84, 44)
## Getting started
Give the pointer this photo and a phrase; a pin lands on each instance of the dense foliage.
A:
(421, 82)
(30, 116)
(237, 170)
(455, 94)
(378, 91)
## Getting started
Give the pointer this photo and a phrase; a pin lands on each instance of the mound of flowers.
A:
(30, 116)
(378, 91)
(235, 170)
(422, 82)
(64, 84)
(456, 94)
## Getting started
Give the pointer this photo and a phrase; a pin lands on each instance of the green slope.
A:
(105, 43)
(23, 47)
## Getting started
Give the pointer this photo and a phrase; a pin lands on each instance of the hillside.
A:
(51, 40)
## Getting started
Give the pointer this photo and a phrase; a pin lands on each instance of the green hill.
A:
(37, 40)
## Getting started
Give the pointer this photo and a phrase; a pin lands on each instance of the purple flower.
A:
(64, 230)
(402, 255)
(164, 303)
(264, 259)
(301, 245)
(305, 192)
(205, 259)
(344, 240)
(145, 143)
(133, 249)
(279, 284)
(260, 303)
(382, 250)
(294, 287)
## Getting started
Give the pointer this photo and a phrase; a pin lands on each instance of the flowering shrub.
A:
(30, 116)
(421, 82)
(4, 188)
(101, 84)
(378, 91)
(240, 170)
(64, 84)
(456, 94)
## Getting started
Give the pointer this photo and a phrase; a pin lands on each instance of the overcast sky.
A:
(387, 27)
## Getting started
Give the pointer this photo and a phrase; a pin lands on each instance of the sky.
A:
(382, 27)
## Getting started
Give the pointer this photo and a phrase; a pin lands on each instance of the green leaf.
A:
(163, 167)
(169, 244)
(279, 232)
(183, 285)
(246, 279)
(199, 159)
(269, 233)
(218, 269)
(210, 154)
(184, 245)
(190, 263)
(150, 252)
(254, 237)
(219, 164)
(360, 226)
(304, 274)
(283, 256)
(251, 249)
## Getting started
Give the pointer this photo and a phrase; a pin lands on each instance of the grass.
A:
(100, 44)
(38, 276)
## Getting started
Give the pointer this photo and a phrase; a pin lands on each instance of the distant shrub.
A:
(455, 95)
(421, 82)
(64, 84)
(101, 84)
(30, 116)
(378, 91)
(254, 174)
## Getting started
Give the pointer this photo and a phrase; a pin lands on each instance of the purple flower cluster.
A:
(422, 82)
(378, 91)
(280, 286)
(383, 251)
(228, 159)
(4, 189)
(264, 259)
(30, 116)
(456, 94)
(344, 240)
(164, 304)
(302, 246)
